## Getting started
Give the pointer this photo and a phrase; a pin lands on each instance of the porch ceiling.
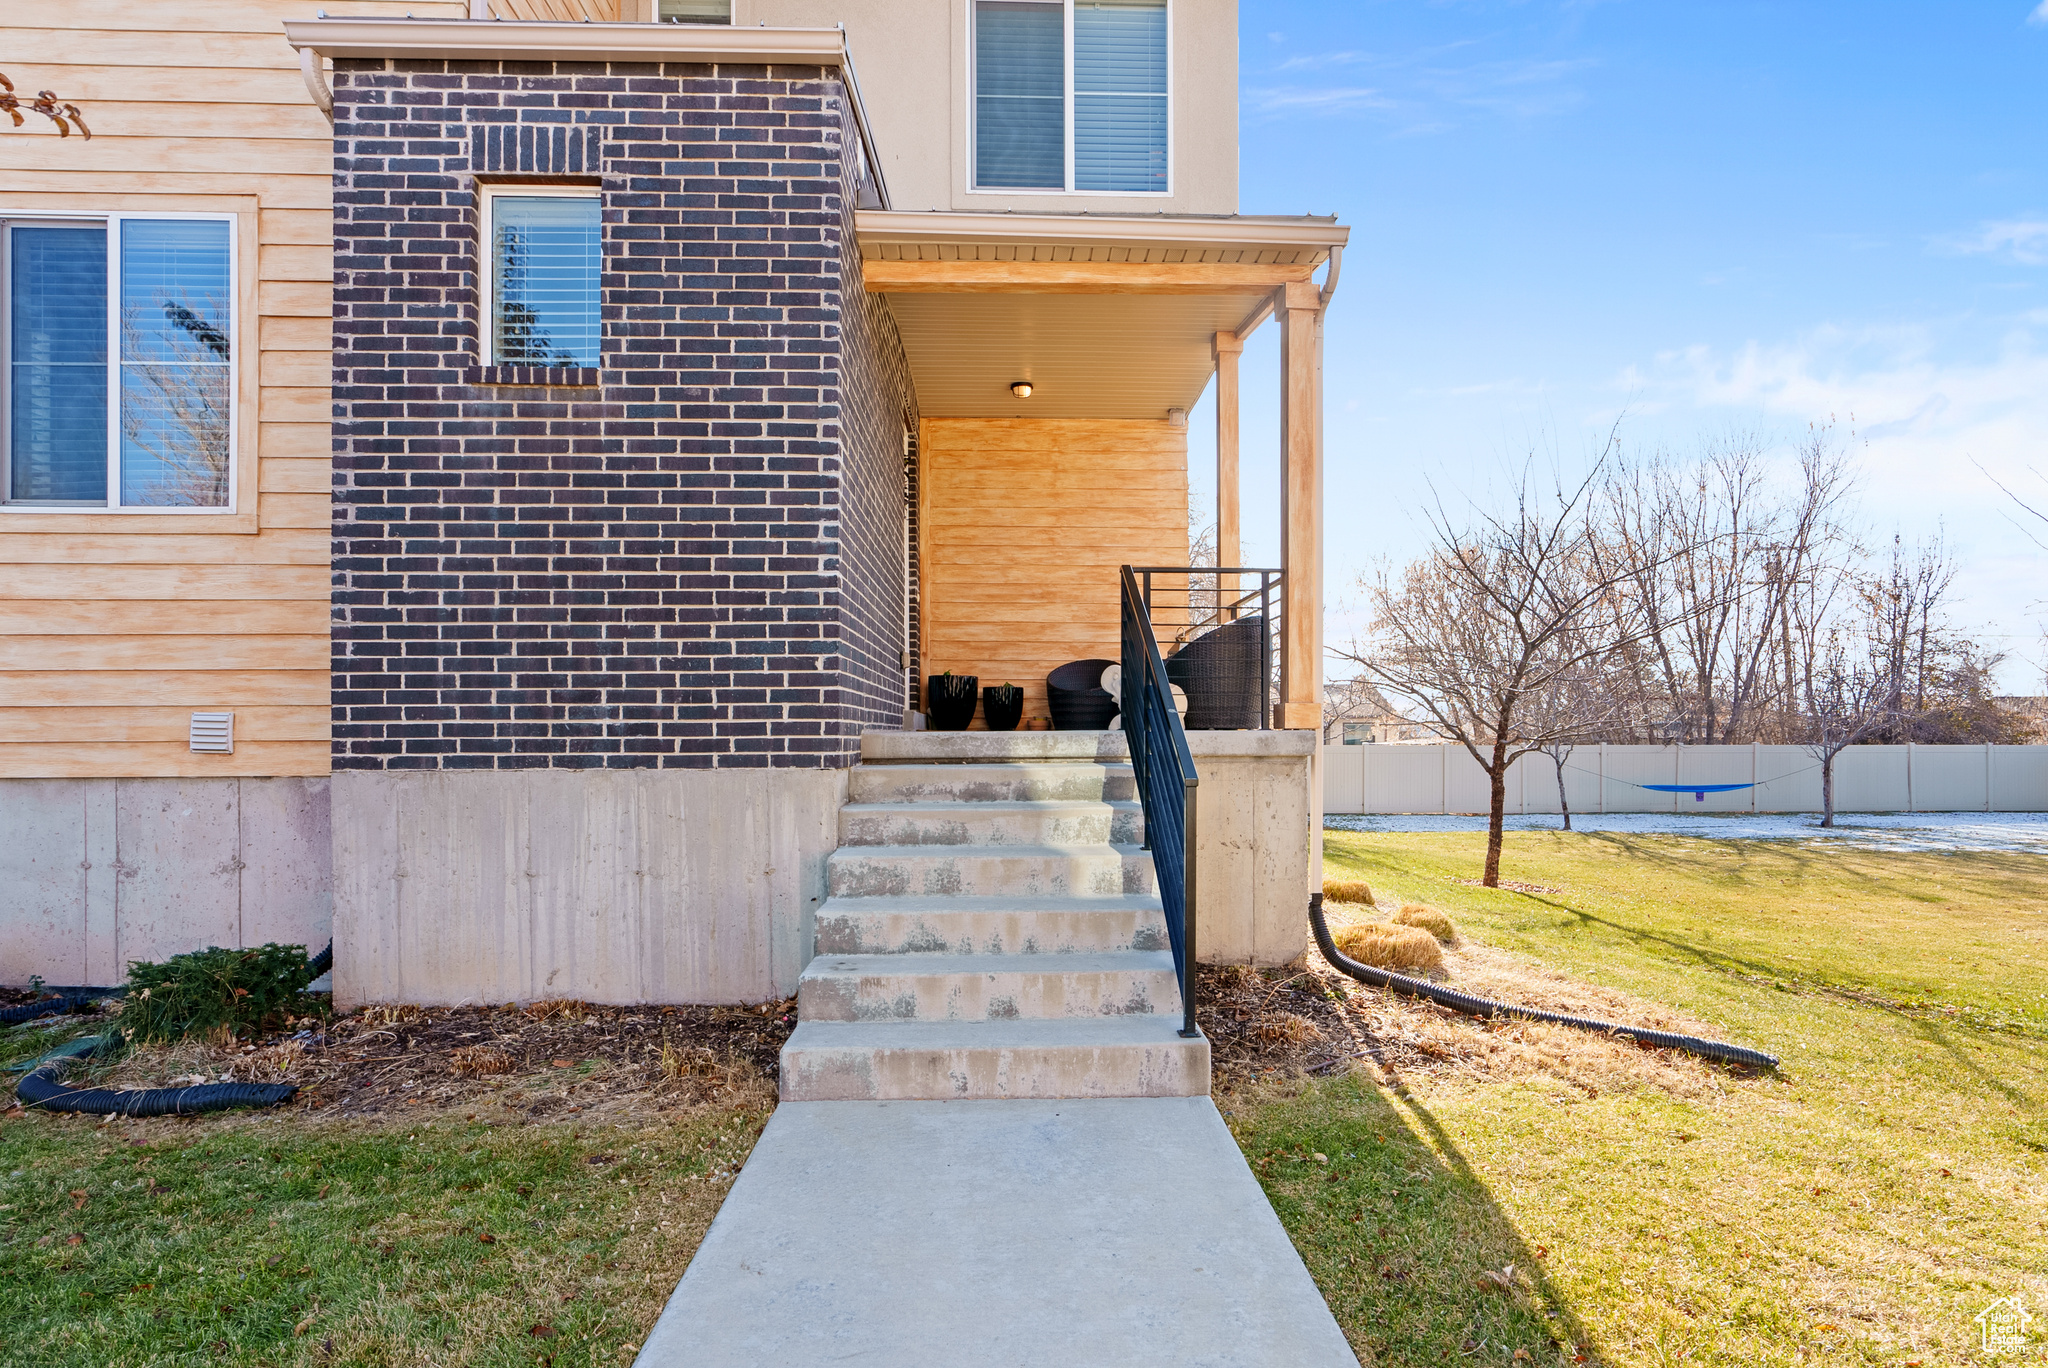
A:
(1106, 317)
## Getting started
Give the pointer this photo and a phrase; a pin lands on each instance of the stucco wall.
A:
(914, 64)
(97, 872)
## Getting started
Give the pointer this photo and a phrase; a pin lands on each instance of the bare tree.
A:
(1719, 555)
(1576, 707)
(1849, 699)
(1498, 611)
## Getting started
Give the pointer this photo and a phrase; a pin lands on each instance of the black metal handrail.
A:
(1165, 771)
(1188, 600)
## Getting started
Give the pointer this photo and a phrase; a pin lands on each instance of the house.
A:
(562, 433)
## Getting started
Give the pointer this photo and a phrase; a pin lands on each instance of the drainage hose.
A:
(1487, 1007)
(43, 1089)
(67, 1000)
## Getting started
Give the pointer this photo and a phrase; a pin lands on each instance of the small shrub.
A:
(1437, 923)
(216, 992)
(1347, 891)
(1386, 946)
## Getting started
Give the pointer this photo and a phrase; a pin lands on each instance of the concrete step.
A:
(1129, 1056)
(990, 926)
(1080, 871)
(991, 823)
(987, 987)
(928, 747)
(1021, 781)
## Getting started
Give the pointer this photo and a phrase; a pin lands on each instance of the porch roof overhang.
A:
(1107, 317)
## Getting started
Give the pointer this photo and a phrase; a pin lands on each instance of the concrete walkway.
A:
(1114, 1231)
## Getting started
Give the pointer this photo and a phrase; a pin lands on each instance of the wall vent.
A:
(213, 733)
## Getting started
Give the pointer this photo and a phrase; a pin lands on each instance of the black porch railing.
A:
(1185, 602)
(1165, 771)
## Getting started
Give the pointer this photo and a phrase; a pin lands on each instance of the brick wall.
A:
(674, 560)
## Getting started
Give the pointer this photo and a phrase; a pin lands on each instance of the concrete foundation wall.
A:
(613, 886)
(97, 872)
(1257, 840)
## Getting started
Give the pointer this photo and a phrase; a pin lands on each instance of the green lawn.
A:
(1859, 1207)
(284, 1239)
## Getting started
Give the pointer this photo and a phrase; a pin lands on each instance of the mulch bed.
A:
(543, 1058)
(1275, 1023)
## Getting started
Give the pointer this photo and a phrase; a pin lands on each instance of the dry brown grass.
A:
(1430, 919)
(1355, 891)
(550, 1009)
(479, 1061)
(1286, 1028)
(1417, 1038)
(1386, 946)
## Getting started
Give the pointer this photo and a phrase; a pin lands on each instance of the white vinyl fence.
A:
(1444, 778)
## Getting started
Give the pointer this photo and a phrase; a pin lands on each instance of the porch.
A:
(1055, 360)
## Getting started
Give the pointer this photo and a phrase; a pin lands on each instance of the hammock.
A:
(1699, 792)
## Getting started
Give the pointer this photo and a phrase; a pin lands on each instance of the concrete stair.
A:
(991, 931)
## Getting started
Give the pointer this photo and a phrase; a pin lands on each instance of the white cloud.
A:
(2024, 240)
(1428, 98)
(2040, 14)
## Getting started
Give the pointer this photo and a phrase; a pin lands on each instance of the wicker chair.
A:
(1078, 700)
(1224, 674)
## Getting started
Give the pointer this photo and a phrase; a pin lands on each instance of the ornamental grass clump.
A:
(246, 992)
(1437, 923)
(1383, 945)
(1347, 891)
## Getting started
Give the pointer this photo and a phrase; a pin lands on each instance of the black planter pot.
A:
(1002, 707)
(949, 699)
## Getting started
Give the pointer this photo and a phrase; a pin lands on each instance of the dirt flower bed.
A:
(544, 1060)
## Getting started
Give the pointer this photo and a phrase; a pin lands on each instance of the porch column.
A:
(1229, 346)
(1299, 308)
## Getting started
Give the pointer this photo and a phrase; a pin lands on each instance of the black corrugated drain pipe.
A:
(1487, 1007)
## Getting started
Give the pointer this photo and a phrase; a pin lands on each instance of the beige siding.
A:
(1023, 525)
(114, 628)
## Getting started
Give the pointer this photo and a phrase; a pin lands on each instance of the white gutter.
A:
(505, 40)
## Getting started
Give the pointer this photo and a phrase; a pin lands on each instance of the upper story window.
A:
(119, 335)
(694, 11)
(543, 278)
(1071, 95)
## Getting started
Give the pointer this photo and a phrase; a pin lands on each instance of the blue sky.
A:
(1709, 217)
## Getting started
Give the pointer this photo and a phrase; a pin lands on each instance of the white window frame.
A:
(1067, 108)
(487, 257)
(113, 221)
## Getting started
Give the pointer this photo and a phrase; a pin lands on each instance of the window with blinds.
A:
(546, 259)
(1071, 95)
(119, 380)
(695, 11)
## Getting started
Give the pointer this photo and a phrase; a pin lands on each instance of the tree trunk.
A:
(1497, 785)
(1827, 790)
(1564, 804)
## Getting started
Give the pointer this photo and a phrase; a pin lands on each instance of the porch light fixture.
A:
(1021, 388)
